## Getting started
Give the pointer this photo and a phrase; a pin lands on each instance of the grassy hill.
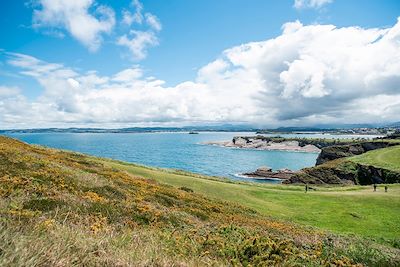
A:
(388, 158)
(362, 163)
(60, 208)
(341, 209)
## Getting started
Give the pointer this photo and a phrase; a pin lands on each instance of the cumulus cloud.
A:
(153, 22)
(309, 74)
(138, 41)
(128, 75)
(88, 22)
(74, 17)
(137, 17)
(299, 4)
(6, 92)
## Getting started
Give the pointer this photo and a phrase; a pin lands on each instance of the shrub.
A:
(187, 189)
(43, 204)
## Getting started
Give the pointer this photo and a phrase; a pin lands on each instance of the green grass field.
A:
(388, 158)
(350, 210)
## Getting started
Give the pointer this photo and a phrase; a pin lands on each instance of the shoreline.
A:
(244, 176)
(289, 146)
(263, 180)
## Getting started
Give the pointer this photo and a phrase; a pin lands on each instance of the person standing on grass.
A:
(386, 188)
(374, 187)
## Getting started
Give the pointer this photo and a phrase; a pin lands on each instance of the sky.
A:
(103, 63)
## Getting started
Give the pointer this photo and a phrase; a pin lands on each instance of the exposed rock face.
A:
(266, 172)
(240, 142)
(341, 151)
(322, 175)
(344, 173)
(329, 169)
(371, 175)
(263, 169)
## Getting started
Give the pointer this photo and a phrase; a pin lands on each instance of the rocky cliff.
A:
(344, 172)
(372, 175)
(334, 167)
(348, 150)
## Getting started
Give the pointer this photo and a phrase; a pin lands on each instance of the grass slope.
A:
(352, 209)
(66, 209)
(387, 158)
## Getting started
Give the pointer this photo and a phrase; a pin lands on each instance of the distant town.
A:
(386, 130)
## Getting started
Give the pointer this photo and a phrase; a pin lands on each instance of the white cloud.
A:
(128, 75)
(73, 83)
(127, 17)
(309, 74)
(299, 4)
(88, 22)
(153, 22)
(291, 27)
(213, 70)
(6, 92)
(137, 17)
(75, 17)
(138, 41)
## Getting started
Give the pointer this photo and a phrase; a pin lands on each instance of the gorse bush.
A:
(66, 209)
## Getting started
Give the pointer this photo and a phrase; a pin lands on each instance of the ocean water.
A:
(174, 150)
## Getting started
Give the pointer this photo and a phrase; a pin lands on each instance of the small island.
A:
(260, 142)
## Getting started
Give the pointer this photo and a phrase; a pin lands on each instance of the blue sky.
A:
(191, 35)
(194, 32)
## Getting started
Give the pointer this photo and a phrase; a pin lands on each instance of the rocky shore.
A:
(267, 173)
(261, 143)
(332, 167)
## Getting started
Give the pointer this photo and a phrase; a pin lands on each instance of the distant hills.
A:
(218, 128)
(207, 128)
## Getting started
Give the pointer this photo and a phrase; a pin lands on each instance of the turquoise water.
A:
(174, 150)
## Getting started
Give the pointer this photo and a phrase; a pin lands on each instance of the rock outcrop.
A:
(266, 172)
(266, 143)
(372, 175)
(331, 167)
(323, 174)
(341, 151)
(344, 172)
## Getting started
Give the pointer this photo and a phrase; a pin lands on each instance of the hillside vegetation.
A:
(342, 209)
(66, 209)
(337, 151)
(388, 158)
(377, 166)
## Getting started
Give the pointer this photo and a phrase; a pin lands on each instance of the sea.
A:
(180, 150)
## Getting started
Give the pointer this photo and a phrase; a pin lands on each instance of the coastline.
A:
(240, 143)
(244, 176)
